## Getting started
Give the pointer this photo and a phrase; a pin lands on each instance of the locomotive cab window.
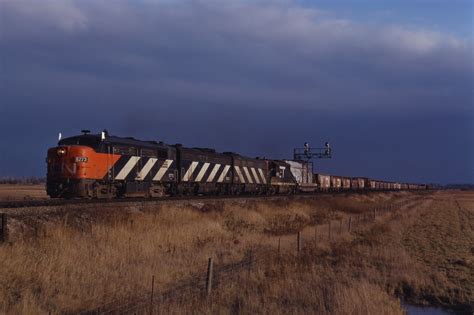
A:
(85, 141)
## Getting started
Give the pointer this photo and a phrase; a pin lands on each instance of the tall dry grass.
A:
(98, 255)
(293, 288)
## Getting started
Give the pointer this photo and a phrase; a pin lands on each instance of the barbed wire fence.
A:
(202, 285)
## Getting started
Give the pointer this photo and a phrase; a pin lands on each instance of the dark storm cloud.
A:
(256, 77)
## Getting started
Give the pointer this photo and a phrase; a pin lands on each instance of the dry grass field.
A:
(72, 259)
(22, 192)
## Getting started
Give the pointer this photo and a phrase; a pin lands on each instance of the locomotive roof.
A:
(134, 142)
(94, 140)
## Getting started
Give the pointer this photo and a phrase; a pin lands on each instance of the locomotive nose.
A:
(59, 164)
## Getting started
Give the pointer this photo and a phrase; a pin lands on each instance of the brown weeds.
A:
(93, 256)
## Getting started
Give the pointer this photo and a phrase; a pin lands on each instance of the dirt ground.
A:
(22, 192)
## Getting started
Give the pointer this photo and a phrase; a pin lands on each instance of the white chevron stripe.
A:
(260, 171)
(246, 171)
(146, 169)
(202, 171)
(190, 171)
(254, 173)
(127, 168)
(239, 173)
(166, 165)
(223, 174)
(213, 173)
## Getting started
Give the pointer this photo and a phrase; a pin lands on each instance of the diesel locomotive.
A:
(106, 166)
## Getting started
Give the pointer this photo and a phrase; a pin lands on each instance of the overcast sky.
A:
(388, 83)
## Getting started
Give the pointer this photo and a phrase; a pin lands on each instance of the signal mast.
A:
(304, 156)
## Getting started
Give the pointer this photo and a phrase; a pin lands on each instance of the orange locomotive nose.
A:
(78, 162)
(73, 170)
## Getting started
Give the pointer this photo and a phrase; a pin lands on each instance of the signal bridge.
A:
(306, 153)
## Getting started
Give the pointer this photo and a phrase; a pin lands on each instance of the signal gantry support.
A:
(307, 153)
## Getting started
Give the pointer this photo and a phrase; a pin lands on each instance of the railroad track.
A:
(12, 204)
(15, 204)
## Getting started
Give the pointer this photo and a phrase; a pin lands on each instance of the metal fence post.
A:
(209, 277)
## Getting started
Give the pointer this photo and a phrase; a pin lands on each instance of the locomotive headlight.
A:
(61, 151)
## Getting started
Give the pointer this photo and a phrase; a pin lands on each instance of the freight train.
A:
(105, 166)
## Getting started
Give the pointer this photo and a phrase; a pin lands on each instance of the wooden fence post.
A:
(209, 277)
(3, 228)
(279, 247)
(250, 261)
(298, 240)
(350, 224)
(152, 289)
(329, 230)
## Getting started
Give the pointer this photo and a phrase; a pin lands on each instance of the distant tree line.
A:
(22, 180)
